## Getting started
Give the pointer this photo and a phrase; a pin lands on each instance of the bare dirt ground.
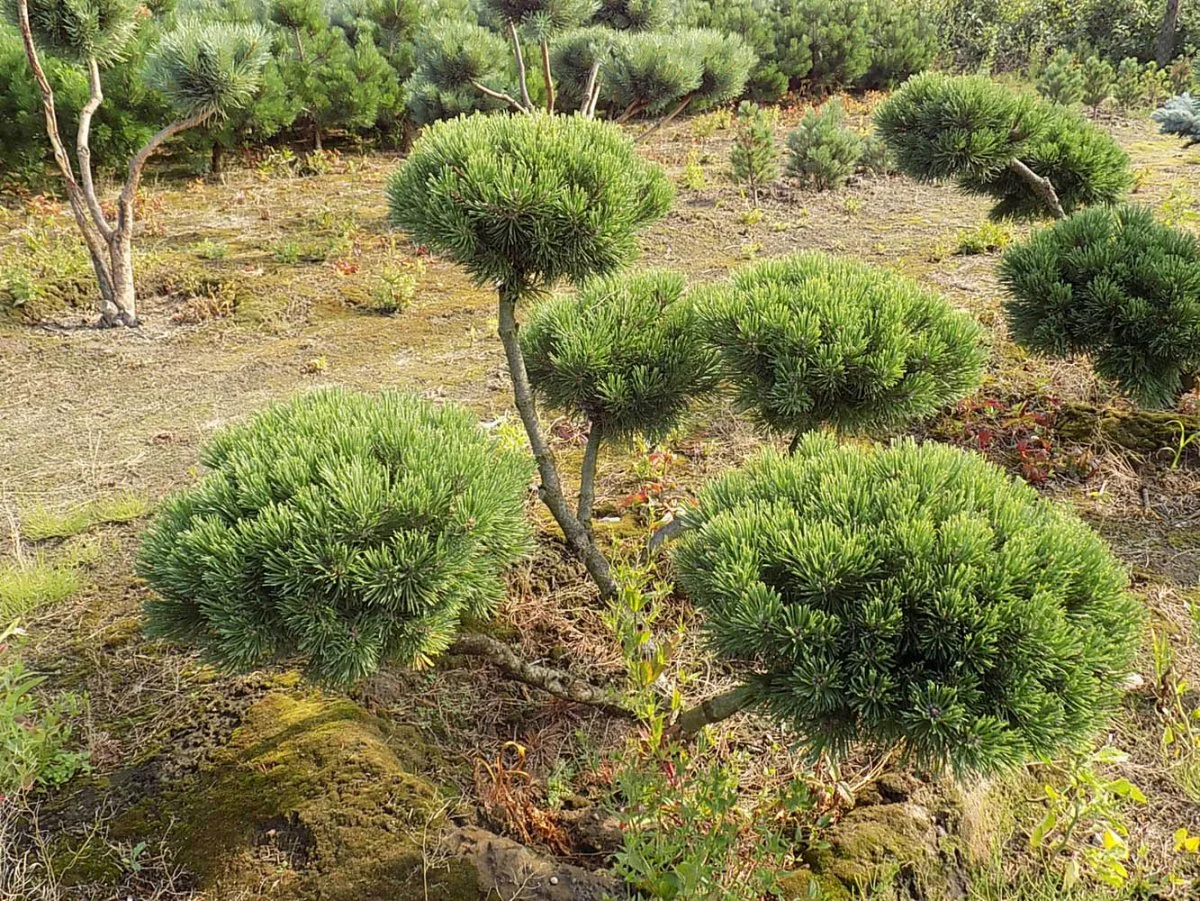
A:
(234, 321)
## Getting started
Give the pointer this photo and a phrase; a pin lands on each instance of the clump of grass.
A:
(987, 237)
(211, 250)
(395, 287)
(32, 583)
(317, 250)
(693, 173)
(41, 523)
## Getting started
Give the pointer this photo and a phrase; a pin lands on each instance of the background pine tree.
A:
(1062, 80)
(1098, 77)
(754, 159)
(1127, 89)
(823, 152)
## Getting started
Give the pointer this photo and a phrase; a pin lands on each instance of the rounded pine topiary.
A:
(942, 126)
(450, 60)
(524, 201)
(346, 529)
(1033, 157)
(812, 339)
(625, 351)
(911, 597)
(651, 71)
(1083, 162)
(1113, 283)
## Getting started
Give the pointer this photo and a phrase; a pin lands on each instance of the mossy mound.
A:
(1140, 431)
(887, 847)
(310, 790)
(873, 845)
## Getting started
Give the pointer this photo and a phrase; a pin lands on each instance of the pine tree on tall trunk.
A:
(94, 35)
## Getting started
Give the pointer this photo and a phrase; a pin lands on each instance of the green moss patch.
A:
(309, 789)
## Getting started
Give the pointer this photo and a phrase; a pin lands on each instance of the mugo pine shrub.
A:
(912, 596)
(627, 352)
(523, 202)
(1098, 77)
(1083, 163)
(348, 529)
(1112, 283)
(822, 151)
(990, 139)
(810, 340)
(202, 70)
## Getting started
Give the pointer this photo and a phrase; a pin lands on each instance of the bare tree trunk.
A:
(120, 242)
(714, 710)
(630, 111)
(1040, 186)
(679, 108)
(588, 107)
(110, 245)
(587, 477)
(551, 491)
(556, 682)
(547, 77)
(500, 95)
(1165, 48)
(521, 73)
(83, 150)
(591, 110)
(95, 240)
(216, 160)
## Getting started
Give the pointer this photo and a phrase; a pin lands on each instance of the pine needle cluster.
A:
(944, 127)
(573, 56)
(626, 351)
(630, 15)
(912, 596)
(209, 68)
(810, 340)
(450, 59)
(1083, 162)
(528, 200)
(1117, 285)
(653, 71)
(347, 529)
